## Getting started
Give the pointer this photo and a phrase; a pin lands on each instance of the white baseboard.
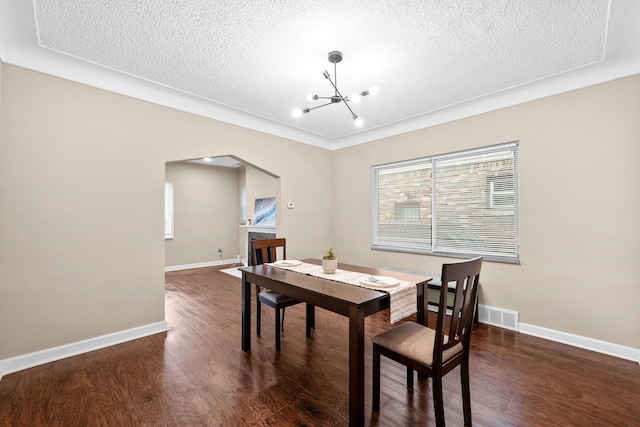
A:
(202, 264)
(26, 361)
(603, 347)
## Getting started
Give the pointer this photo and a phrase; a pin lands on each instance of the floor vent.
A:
(498, 317)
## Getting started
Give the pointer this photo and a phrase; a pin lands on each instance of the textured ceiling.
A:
(253, 62)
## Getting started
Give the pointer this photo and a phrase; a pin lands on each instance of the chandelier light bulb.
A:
(359, 121)
(373, 90)
(355, 98)
(311, 97)
(296, 113)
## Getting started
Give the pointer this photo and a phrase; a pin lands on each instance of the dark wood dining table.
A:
(352, 301)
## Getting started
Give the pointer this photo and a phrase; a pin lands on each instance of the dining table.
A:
(354, 302)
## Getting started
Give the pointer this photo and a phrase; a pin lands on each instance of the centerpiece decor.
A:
(329, 261)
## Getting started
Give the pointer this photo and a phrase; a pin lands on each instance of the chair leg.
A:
(409, 377)
(466, 392)
(278, 326)
(258, 315)
(438, 403)
(375, 404)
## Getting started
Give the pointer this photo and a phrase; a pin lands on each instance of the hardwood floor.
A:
(197, 375)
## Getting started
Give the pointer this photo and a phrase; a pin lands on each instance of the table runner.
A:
(402, 297)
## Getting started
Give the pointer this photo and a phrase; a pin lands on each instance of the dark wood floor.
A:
(197, 375)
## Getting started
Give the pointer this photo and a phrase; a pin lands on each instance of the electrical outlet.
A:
(219, 252)
(291, 205)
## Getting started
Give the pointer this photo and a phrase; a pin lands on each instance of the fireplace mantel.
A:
(260, 229)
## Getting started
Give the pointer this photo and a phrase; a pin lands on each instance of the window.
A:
(407, 211)
(459, 204)
(243, 205)
(501, 192)
(168, 210)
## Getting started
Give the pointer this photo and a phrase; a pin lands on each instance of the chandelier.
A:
(334, 58)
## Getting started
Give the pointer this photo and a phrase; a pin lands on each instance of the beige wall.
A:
(81, 206)
(260, 185)
(579, 212)
(82, 251)
(206, 212)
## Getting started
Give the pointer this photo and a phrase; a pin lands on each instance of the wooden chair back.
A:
(265, 250)
(466, 276)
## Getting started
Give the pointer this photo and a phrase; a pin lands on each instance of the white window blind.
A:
(395, 185)
(168, 210)
(460, 204)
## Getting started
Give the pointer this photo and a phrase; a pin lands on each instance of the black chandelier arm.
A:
(352, 113)
(313, 108)
(335, 76)
(343, 98)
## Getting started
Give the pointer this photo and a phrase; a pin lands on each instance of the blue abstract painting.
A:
(265, 212)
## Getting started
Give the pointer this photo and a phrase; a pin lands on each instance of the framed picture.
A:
(265, 212)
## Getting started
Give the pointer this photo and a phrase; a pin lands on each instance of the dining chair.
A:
(434, 353)
(265, 250)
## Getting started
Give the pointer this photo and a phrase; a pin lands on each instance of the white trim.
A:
(19, 46)
(603, 347)
(168, 210)
(26, 361)
(261, 229)
(201, 264)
